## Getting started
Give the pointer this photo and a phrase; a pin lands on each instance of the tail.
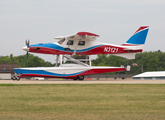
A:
(139, 37)
(135, 43)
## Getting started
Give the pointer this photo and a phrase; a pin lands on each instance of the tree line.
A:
(145, 61)
(33, 61)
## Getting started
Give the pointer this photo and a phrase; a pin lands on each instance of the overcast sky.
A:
(114, 20)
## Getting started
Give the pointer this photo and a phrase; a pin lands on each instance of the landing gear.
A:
(15, 77)
(81, 78)
(75, 78)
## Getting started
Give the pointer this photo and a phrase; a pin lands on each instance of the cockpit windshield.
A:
(61, 41)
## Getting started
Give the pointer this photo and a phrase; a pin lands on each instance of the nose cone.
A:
(26, 48)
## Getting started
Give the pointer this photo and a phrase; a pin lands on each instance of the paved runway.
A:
(88, 81)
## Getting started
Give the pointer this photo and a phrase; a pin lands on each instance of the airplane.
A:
(83, 43)
(67, 71)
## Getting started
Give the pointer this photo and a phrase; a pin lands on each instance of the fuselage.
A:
(83, 43)
(90, 48)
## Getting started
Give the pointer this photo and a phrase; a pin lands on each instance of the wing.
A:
(79, 36)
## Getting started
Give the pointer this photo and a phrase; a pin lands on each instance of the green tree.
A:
(34, 61)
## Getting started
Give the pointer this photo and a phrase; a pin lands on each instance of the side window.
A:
(70, 42)
(81, 43)
(61, 41)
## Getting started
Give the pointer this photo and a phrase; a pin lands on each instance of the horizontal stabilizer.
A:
(126, 55)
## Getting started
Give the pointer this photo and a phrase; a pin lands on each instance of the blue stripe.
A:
(138, 38)
(42, 72)
(57, 47)
(16, 71)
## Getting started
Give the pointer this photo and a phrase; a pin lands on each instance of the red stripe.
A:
(141, 28)
(104, 49)
(87, 33)
(129, 45)
(47, 76)
(99, 71)
(88, 72)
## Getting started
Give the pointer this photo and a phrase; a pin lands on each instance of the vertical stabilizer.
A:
(139, 37)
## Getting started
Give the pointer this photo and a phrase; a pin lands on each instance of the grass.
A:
(83, 102)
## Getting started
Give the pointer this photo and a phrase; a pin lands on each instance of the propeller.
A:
(27, 42)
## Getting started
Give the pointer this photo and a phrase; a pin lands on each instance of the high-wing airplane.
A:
(83, 43)
(68, 71)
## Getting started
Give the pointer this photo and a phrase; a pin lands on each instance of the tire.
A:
(76, 78)
(13, 78)
(18, 78)
(81, 77)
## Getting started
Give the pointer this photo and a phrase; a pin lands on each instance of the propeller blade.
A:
(27, 42)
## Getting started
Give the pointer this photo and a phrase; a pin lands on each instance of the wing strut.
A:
(61, 59)
(57, 57)
(74, 53)
(76, 61)
(90, 61)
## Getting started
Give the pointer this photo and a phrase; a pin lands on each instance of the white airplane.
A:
(83, 43)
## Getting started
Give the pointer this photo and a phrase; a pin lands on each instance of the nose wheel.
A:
(15, 77)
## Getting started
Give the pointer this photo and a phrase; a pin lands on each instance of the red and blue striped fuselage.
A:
(90, 46)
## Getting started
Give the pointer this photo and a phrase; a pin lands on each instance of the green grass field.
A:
(82, 102)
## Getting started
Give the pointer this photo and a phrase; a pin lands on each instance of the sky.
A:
(114, 20)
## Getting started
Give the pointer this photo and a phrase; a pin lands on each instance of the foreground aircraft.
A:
(68, 71)
(83, 43)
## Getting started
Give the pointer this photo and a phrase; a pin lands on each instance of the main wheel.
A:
(81, 77)
(18, 78)
(76, 78)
